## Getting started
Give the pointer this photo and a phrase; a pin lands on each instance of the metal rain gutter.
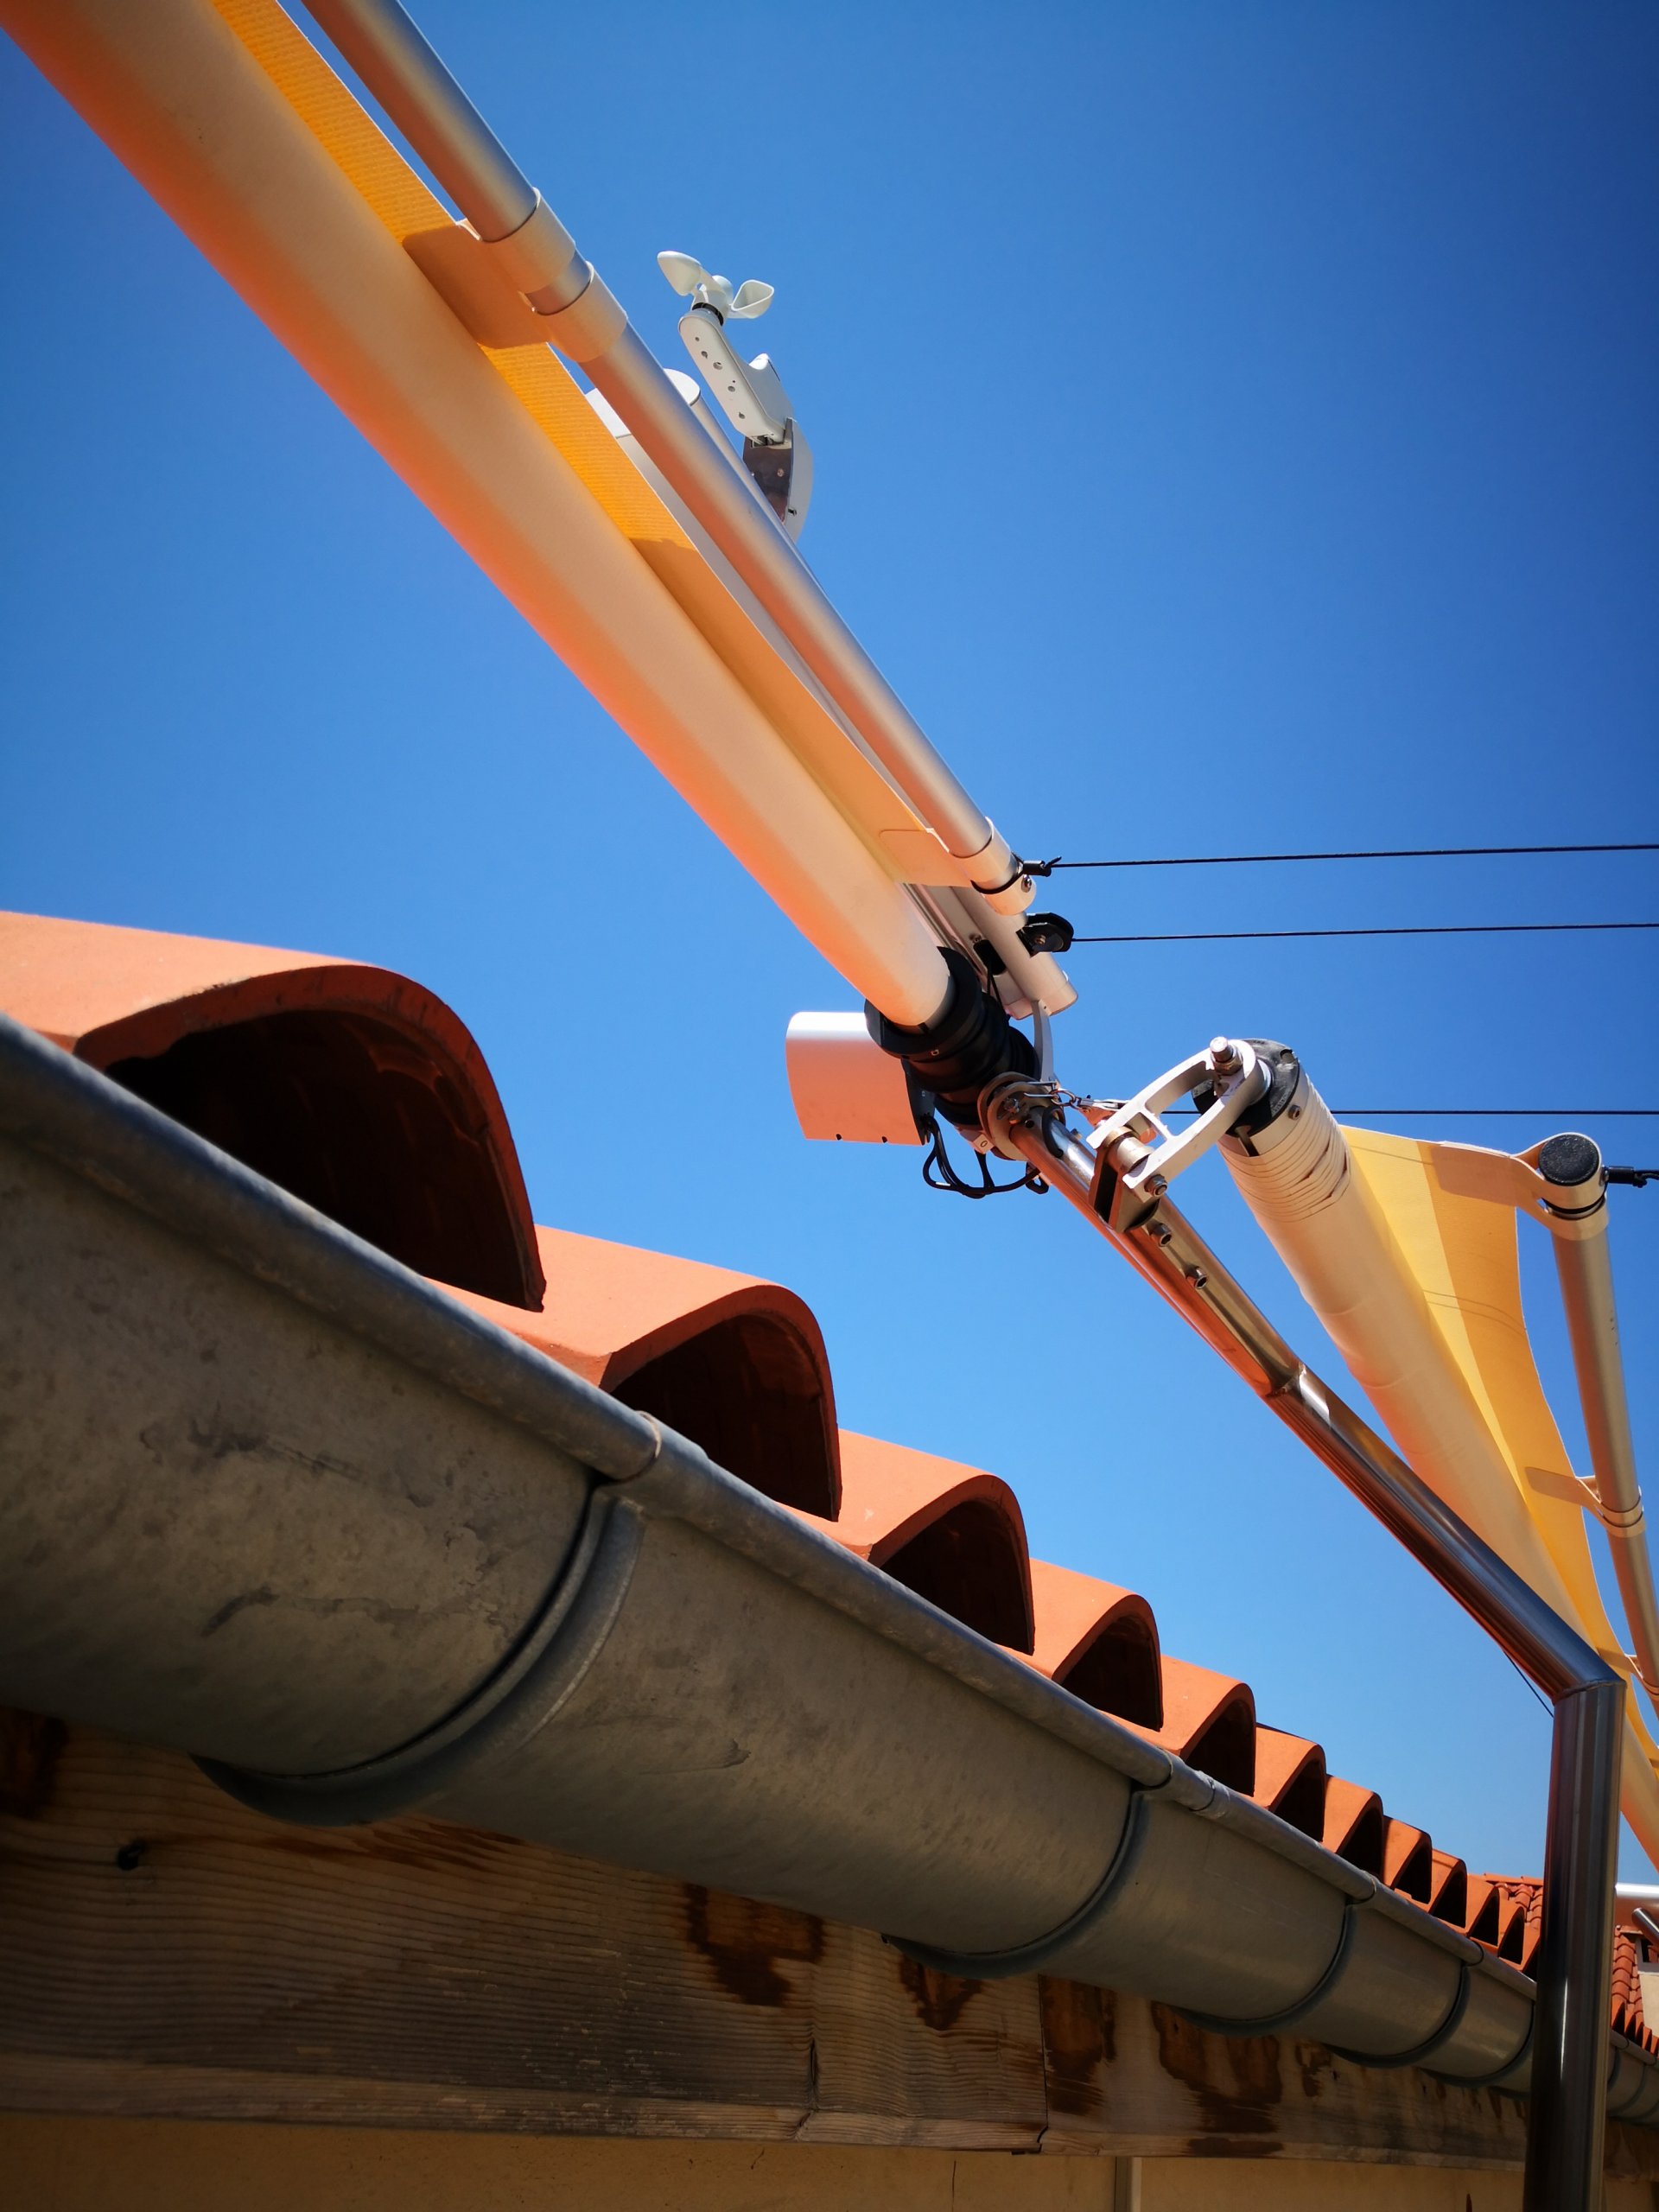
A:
(273, 1500)
(1566, 2127)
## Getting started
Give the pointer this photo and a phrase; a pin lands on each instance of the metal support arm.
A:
(417, 91)
(1566, 2119)
(1575, 1207)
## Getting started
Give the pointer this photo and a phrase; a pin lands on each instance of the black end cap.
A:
(1570, 1158)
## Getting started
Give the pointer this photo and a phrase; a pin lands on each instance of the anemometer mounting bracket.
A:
(1137, 1157)
(749, 394)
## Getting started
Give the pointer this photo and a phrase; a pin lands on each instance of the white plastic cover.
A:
(844, 1086)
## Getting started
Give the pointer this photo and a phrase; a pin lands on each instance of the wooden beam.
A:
(171, 1954)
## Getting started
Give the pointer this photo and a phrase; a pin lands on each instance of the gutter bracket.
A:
(1030, 1958)
(521, 1697)
(1275, 2022)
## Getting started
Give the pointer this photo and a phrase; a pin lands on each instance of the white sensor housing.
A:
(844, 1086)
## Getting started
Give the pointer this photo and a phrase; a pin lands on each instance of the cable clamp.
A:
(540, 250)
(591, 324)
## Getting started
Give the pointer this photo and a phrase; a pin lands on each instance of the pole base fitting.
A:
(966, 1045)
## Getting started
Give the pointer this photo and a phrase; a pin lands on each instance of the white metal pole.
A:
(1578, 1220)
(1567, 2121)
(417, 91)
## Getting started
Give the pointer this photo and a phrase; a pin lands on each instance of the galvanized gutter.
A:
(269, 1498)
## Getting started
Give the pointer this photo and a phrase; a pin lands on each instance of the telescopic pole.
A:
(1566, 2117)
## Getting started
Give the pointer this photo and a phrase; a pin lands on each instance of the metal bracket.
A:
(1138, 1157)
(751, 395)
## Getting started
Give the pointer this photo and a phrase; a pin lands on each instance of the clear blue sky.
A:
(1235, 429)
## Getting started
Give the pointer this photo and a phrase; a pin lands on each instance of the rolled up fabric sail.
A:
(1406, 1252)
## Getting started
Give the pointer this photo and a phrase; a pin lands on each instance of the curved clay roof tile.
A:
(1448, 1896)
(735, 1363)
(1209, 1721)
(1483, 1908)
(1408, 1860)
(1354, 1824)
(1290, 1779)
(349, 1085)
(954, 1535)
(1098, 1641)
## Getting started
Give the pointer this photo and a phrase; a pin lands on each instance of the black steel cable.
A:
(1414, 929)
(1391, 853)
(1485, 1113)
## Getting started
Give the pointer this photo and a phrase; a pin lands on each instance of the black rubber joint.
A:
(968, 1043)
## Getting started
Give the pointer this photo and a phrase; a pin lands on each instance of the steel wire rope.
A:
(1480, 1114)
(1408, 929)
(1381, 852)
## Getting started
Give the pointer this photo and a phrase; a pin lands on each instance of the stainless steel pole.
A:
(417, 91)
(1578, 1220)
(1567, 2121)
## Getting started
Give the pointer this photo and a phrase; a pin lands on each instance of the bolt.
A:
(1156, 1186)
(1224, 1055)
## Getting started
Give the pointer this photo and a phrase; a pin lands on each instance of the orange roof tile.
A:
(954, 1535)
(1408, 1860)
(1209, 1721)
(736, 1363)
(1291, 1779)
(1448, 1894)
(1354, 1824)
(353, 1087)
(1098, 1641)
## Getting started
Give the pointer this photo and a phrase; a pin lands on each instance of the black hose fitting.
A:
(968, 1043)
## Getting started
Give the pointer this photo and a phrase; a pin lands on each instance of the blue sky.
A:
(1235, 429)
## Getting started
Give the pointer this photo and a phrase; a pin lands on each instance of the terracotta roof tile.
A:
(1354, 1823)
(735, 1363)
(1483, 1910)
(1448, 1895)
(954, 1535)
(1209, 1721)
(1408, 1860)
(1291, 1779)
(1520, 1918)
(1629, 2017)
(1511, 1927)
(1099, 1642)
(349, 1085)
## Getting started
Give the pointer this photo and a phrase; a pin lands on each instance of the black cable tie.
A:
(1634, 1179)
